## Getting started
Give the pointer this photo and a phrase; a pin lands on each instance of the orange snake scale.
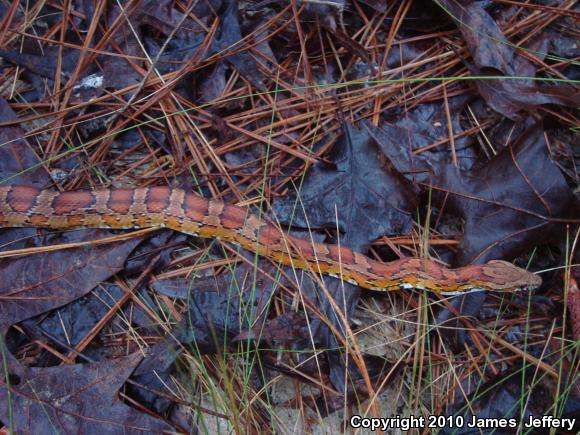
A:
(26, 206)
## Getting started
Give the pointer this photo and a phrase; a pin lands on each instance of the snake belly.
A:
(187, 212)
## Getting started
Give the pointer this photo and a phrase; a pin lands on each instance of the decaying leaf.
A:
(493, 53)
(39, 283)
(359, 188)
(513, 202)
(80, 398)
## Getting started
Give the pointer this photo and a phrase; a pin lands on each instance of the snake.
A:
(190, 213)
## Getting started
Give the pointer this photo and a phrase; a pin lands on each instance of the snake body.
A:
(26, 206)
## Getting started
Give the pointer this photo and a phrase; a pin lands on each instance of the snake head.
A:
(499, 275)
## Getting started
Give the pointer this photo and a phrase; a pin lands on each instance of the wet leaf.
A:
(503, 396)
(212, 87)
(45, 64)
(488, 46)
(228, 40)
(510, 96)
(72, 323)
(80, 398)
(38, 283)
(408, 140)
(165, 17)
(492, 53)
(369, 197)
(377, 5)
(220, 307)
(329, 13)
(18, 163)
(280, 331)
(119, 73)
(510, 204)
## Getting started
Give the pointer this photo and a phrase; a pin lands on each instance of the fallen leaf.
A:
(493, 53)
(517, 393)
(18, 163)
(39, 283)
(511, 203)
(80, 398)
(359, 188)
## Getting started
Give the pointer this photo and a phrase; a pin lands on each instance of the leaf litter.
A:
(456, 139)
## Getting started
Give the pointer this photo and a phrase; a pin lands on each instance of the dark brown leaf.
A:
(228, 40)
(510, 96)
(18, 163)
(377, 5)
(81, 398)
(509, 204)
(418, 130)
(488, 46)
(38, 283)
(221, 307)
(43, 65)
(71, 323)
(501, 397)
(493, 53)
(366, 193)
